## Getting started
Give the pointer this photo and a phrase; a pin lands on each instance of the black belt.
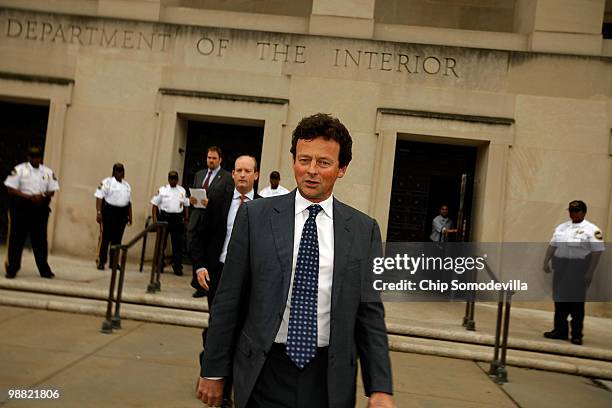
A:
(169, 214)
(106, 204)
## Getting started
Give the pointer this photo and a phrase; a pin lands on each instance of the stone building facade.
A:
(516, 94)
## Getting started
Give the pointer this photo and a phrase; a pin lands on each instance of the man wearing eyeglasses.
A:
(575, 249)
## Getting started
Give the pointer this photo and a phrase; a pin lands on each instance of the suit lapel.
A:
(215, 180)
(283, 227)
(343, 239)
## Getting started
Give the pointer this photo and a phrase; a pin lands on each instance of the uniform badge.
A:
(598, 235)
(100, 186)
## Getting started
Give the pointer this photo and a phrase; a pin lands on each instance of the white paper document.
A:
(199, 194)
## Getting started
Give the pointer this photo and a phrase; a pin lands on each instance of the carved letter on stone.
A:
(450, 65)
(17, 28)
(206, 46)
(431, 65)
(299, 52)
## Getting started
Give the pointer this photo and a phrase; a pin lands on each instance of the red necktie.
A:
(205, 185)
(242, 199)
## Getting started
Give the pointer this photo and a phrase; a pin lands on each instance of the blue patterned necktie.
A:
(302, 333)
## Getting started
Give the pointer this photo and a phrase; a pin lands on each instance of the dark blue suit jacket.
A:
(253, 292)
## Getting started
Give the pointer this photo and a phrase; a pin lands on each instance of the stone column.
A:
(561, 26)
(146, 10)
(343, 18)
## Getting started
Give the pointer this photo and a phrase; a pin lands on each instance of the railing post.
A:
(468, 320)
(161, 231)
(107, 325)
(117, 318)
(152, 287)
(144, 246)
(502, 373)
(495, 364)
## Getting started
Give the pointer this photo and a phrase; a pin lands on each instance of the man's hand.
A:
(210, 392)
(203, 277)
(193, 200)
(381, 400)
(204, 202)
(546, 268)
(99, 217)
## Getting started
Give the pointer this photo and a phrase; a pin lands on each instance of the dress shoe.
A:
(555, 335)
(100, 267)
(9, 275)
(178, 273)
(49, 275)
(198, 294)
(577, 341)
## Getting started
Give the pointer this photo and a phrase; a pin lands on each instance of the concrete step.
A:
(419, 340)
(137, 296)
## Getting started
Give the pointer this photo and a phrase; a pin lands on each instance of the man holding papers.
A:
(213, 180)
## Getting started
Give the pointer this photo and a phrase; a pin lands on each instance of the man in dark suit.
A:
(210, 257)
(289, 318)
(215, 180)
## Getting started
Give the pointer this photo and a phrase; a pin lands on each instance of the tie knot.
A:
(314, 210)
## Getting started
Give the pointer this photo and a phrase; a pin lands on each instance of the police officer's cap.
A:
(577, 205)
(35, 151)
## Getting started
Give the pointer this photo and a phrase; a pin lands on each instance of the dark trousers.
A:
(176, 230)
(281, 384)
(114, 220)
(26, 218)
(565, 309)
(569, 294)
(215, 277)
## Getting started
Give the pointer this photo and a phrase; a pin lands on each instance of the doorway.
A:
(425, 176)
(233, 139)
(22, 125)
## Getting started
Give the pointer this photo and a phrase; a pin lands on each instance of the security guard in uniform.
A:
(30, 187)
(575, 249)
(170, 205)
(114, 211)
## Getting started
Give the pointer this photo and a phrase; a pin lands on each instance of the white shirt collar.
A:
(32, 168)
(249, 195)
(302, 203)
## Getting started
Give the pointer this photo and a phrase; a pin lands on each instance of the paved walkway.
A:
(423, 319)
(154, 365)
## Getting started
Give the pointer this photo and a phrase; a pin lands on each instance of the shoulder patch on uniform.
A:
(14, 171)
(598, 235)
(54, 176)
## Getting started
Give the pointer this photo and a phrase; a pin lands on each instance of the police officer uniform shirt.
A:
(171, 199)
(273, 192)
(577, 240)
(115, 193)
(30, 180)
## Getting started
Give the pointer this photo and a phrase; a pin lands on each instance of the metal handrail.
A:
(497, 368)
(118, 257)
